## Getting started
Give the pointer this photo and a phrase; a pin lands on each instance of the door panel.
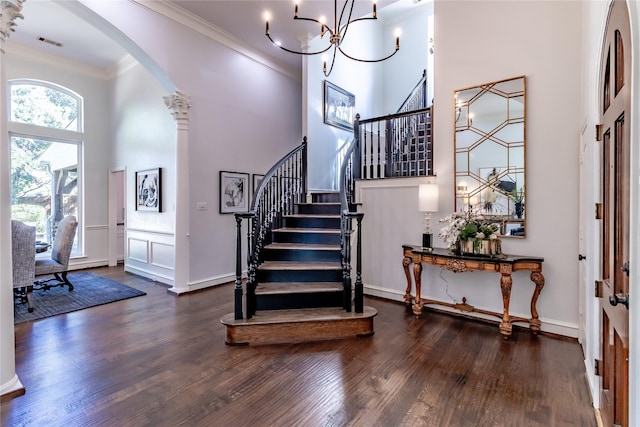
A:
(615, 73)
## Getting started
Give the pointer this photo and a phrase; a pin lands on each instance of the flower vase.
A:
(484, 247)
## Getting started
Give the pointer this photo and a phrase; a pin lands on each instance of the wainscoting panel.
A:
(150, 254)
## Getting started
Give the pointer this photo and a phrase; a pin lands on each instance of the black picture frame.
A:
(256, 181)
(234, 192)
(149, 190)
(339, 106)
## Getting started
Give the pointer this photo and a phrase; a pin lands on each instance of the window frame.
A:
(66, 136)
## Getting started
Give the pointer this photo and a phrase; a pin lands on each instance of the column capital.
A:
(179, 104)
(9, 11)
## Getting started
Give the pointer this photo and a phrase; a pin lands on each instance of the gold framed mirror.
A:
(489, 144)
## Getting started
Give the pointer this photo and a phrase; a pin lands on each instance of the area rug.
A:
(89, 290)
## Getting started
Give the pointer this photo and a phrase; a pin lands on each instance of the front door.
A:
(615, 89)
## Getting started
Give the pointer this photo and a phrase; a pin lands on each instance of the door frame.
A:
(113, 214)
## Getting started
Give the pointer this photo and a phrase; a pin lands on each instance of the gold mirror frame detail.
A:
(489, 158)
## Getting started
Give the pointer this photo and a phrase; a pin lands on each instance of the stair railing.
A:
(349, 171)
(282, 187)
(400, 144)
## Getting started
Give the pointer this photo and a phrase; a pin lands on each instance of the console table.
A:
(503, 264)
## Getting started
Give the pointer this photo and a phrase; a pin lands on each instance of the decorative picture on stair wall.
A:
(234, 192)
(148, 190)
(339, 106)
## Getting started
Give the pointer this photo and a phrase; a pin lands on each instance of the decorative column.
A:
(179, 104)
(10, 385)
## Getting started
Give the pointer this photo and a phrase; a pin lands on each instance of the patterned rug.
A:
(89, 290)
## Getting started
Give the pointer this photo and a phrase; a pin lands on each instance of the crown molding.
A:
(188, 19)
(18, 49)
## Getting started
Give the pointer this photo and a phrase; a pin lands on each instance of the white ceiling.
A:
(244, 20)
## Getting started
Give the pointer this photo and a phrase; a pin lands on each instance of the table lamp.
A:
(428, 197)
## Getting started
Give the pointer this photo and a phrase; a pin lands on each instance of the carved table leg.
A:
(505, 286)
(406, 262)
(417, 274)
(538, 279)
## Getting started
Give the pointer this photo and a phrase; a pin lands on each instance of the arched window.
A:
(46, 135)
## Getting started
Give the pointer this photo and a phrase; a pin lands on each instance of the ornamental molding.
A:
(9, 11)
(179, 104)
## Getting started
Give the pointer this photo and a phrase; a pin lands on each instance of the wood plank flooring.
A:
(160, 360)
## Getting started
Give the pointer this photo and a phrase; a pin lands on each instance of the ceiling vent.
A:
(52, 42)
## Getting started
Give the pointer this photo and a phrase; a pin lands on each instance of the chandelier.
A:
(336, 35)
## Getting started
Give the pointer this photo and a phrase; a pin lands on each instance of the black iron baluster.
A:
(237, 294)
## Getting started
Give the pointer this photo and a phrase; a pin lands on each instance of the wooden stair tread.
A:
(319, 216)
(303, 246)
(271, 288)
(306, 230)
(299, 265)
(299, 316)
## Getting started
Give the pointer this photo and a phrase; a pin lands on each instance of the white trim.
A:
(201, 26)
(207, 283)
(397, 182)
(552, 326)
(157, 232)
(149, 274)
(10, 386)
(96, 227)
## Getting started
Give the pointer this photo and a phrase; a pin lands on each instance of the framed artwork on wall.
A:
(339, 106)
(149, 190)
(257, 180)
(234, 192)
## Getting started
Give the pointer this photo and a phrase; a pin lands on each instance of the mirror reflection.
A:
(490, 152)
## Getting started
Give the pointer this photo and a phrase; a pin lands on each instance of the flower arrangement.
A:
(470, 228)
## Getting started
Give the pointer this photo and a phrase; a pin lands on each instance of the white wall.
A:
(144, 137)
(95, 91)
(472, 49)
(379, 88)
(244, 116)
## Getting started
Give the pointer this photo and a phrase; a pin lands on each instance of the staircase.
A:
(300, 294)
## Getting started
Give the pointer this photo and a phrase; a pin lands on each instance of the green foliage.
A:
(30, 214)
(43, 106)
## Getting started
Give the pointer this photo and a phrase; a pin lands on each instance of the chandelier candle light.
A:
(336, 34)
(428, 198)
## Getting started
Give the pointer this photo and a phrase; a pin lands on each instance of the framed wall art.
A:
(149, 190)
(234, 192)
(339, 106)
(257, 180)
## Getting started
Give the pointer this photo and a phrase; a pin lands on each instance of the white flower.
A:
(480, 235)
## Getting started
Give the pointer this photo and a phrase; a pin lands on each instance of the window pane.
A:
(44, 183)
(44, 106)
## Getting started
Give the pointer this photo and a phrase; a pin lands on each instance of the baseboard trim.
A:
(149, 274)
(11, 389)
(548, 325)
(206, 283)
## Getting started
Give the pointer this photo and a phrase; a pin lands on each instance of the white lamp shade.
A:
(428, 197)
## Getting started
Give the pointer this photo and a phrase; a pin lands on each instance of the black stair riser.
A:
(311, 222)
(325, 197)
(299, 275)
(299, 300)
(309, 237)
(302, 255)
(318, 209)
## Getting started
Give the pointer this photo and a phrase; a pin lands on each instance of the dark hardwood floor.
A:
(160, 360)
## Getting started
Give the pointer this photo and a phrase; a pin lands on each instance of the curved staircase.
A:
(300, 293)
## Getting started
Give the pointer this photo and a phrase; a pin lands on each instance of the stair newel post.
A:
(303, 172)
(237, 300)
(345, 224)
(359, 289)
(252, 263)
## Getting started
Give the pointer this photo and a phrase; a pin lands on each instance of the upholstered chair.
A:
(23, 253)
(58, 264)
